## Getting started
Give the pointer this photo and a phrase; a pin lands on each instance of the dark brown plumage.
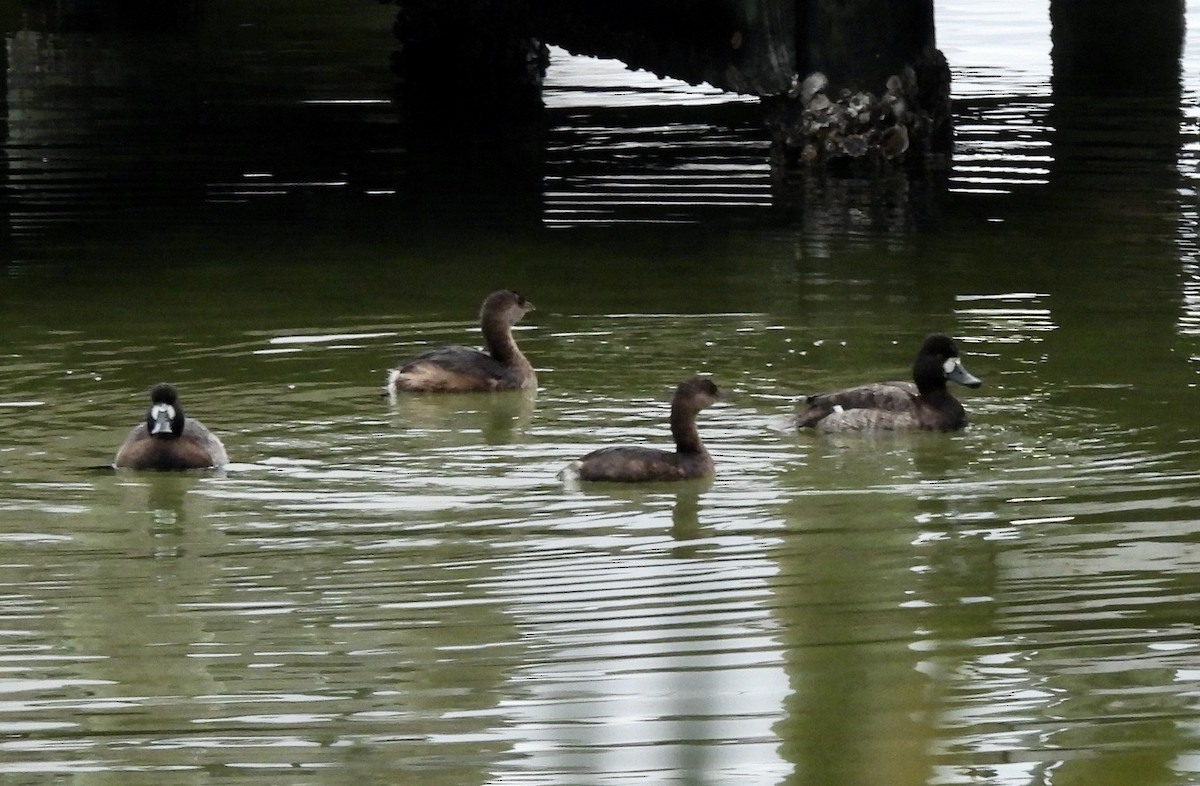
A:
(633, 463)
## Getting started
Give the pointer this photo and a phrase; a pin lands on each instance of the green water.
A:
(380, 590)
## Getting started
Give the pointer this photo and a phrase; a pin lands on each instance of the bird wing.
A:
(883, 396)
(458, 360)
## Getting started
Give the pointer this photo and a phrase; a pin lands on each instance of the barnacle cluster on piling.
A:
(816, 125)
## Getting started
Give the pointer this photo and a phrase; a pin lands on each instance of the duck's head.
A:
(938, 361)
(165, 417)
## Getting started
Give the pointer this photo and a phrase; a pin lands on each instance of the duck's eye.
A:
(950, 365)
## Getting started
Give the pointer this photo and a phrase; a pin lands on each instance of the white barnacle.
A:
(812, 84)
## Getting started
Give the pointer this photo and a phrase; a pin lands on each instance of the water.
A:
(383, 590)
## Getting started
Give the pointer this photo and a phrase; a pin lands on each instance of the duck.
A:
(169, 440)
(462, 369)
(921, 405)
(635, 463)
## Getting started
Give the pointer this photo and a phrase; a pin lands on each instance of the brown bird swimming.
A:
(462, 369)
(634, 463)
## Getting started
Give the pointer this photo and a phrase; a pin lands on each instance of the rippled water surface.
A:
(393, 589)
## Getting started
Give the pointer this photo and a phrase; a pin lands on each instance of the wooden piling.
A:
(871, 90)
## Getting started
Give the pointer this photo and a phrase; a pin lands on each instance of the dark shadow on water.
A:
(685, 495)
(91, 17)
(171, 507)
(207, 126)
(685, 515)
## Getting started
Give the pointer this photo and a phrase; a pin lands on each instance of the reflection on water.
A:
(389, 588)
(702, 155)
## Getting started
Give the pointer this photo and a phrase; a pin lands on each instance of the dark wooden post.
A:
(1115, 132)
(871, 85)
(1117, 108)
(468, 53)
(468, 96)
(1115, 48)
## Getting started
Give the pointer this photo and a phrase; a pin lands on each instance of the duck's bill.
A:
(163, 414)
(956, 373)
